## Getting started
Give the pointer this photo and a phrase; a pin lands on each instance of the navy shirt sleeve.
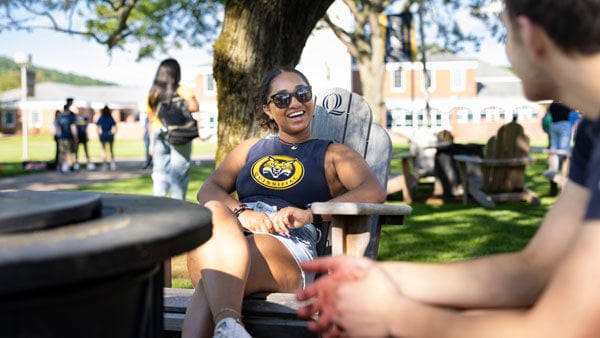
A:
(580, 154)
(593, 182)
(585, 164)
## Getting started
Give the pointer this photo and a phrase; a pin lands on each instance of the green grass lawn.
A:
(42, 148)
(433, 233)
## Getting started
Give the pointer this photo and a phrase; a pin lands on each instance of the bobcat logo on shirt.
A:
(278, 172)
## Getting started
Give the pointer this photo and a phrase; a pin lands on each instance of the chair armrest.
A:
(467, 159)
(508, 162)
(352, 208)
(351, 223)
(495, 162)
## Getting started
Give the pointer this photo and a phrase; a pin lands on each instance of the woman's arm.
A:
(221, 183)
(350, 178)
(190, 98)
(193, 104)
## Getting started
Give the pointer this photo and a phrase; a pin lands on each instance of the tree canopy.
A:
(151, 25)
(364, 37)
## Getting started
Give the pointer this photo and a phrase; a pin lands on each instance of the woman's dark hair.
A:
(165, 82)
(105, 111)
(573, 25)
(260, 99)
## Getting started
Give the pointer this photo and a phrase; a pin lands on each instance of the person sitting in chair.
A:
(259, 240)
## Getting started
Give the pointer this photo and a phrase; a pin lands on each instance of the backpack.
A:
(180, 125)
(546, 122)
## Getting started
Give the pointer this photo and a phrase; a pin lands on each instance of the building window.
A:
(8, 119)
(400, 117)
(458, 80)
(493, 113)
(437, 118)
(429, 80)
(35, 119)
(463, 114)
(211, 86)
(399, 81)
(409, 122)
(525, 112)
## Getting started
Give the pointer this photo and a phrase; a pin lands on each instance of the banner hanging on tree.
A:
(399, 38)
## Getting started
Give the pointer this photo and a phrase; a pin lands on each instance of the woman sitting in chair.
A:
(259, 240)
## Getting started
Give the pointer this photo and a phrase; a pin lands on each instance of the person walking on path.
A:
(82, 122)
(56, 125)
(560, 133)
(107, 128)
(170, 163)
(147, 153)
(68, 139)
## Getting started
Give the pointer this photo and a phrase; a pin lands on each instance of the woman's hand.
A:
(256, 221)
(290, 218)
(278, 222)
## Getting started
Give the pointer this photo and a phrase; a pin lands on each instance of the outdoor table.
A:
(75, 264)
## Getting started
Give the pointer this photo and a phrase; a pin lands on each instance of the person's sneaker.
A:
(104, 167)
(65, 168)
(230, 328)
(91, 166)
(113, 166)
(76, 166)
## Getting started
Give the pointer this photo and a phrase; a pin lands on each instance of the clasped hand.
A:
(353, 300)
(280, 221)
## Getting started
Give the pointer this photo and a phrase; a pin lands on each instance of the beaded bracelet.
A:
(240, 208)
(317, 219)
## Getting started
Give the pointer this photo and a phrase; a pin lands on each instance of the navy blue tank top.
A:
(283, 175)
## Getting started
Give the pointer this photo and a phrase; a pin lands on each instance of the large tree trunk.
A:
(372, 69)
(257, 36)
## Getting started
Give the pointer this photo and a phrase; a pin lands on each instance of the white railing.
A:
(407, 115)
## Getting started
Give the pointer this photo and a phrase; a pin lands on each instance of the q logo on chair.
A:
(333, 104)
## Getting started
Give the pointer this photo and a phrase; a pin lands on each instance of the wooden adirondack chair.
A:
(500, 176)
(343, 117)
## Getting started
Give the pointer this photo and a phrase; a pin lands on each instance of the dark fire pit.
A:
(89, 265)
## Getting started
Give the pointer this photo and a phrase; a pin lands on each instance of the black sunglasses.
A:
(283, 99)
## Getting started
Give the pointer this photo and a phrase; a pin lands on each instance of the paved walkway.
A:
(52, 180)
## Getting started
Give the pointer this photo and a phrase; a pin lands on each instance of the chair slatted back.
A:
(345, 117)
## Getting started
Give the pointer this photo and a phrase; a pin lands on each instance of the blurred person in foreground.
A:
(260, 239)
(548, 289)
(170, 163)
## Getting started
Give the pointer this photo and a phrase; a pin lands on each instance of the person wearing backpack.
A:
(171, 162)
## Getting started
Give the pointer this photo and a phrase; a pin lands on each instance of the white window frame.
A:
(207, 81)
(432, 83)
(402, 75)
(458, 80)
(35, 119)
(462, 114)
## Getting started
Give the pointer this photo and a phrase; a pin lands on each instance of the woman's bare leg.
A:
(222, 266)
(103, 153)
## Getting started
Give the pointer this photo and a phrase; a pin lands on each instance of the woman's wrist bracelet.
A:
(317, 219)
(240, 208)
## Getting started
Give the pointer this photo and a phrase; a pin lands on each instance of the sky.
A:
(74, 54)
